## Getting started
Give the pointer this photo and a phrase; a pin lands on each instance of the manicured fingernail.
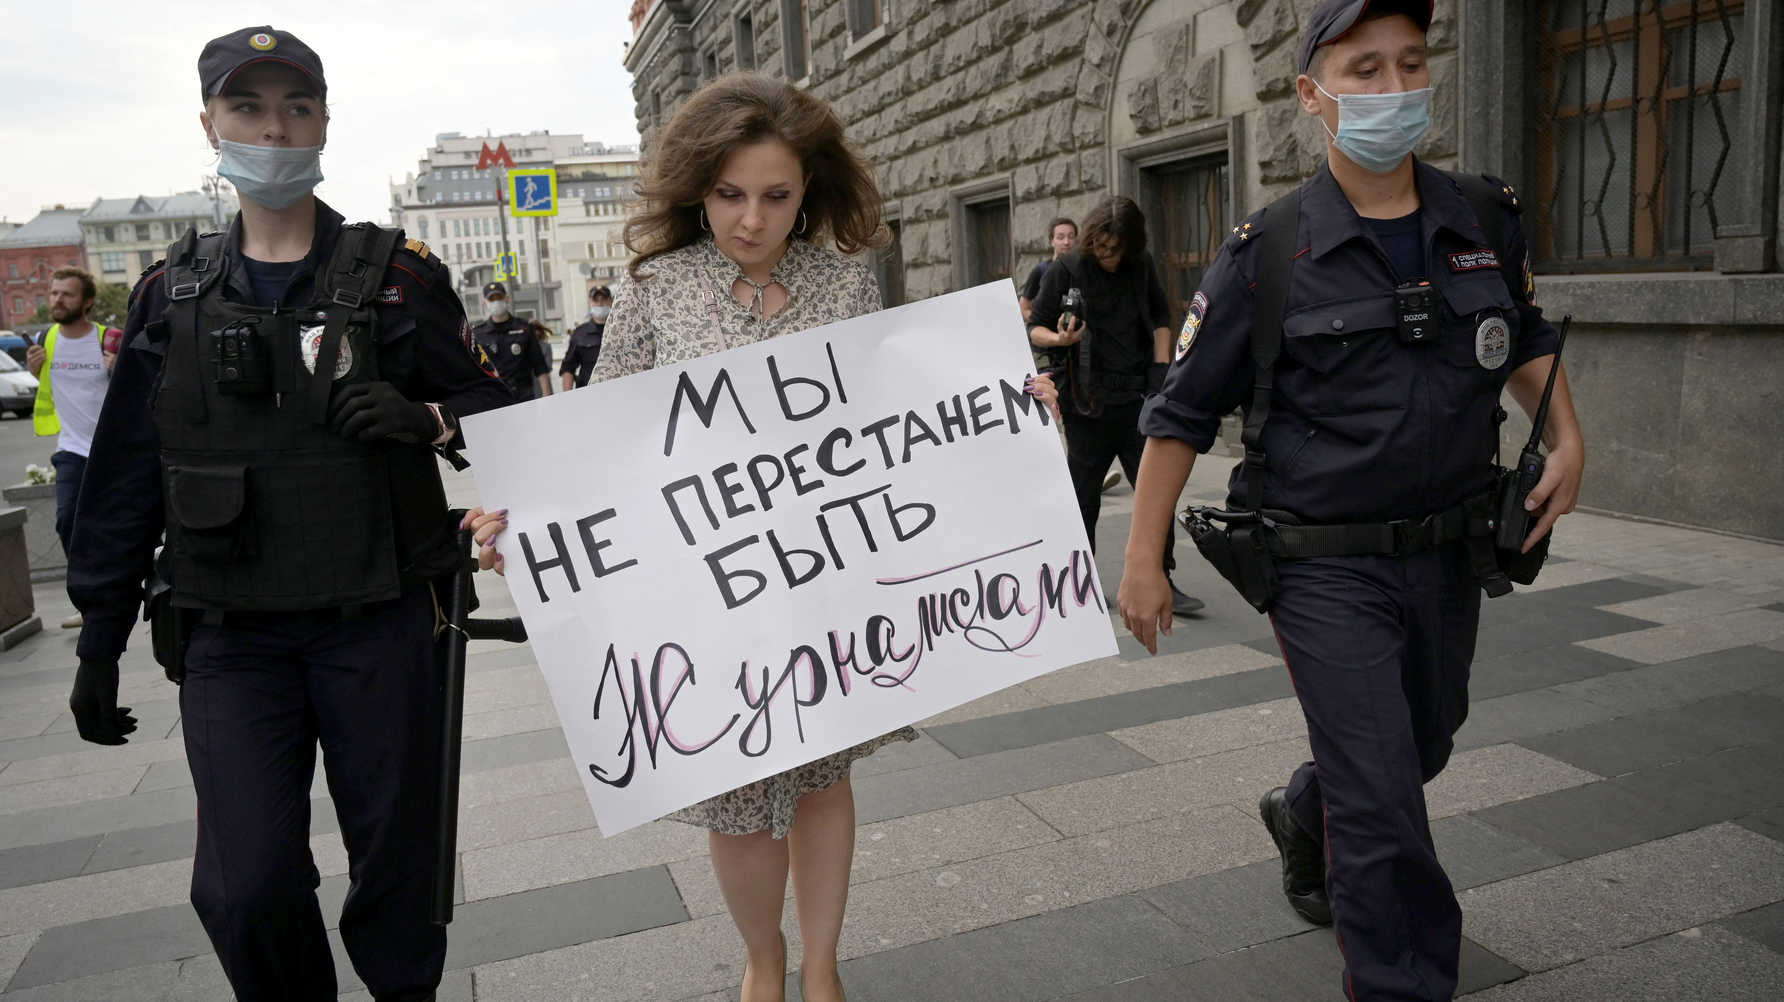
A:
(503, 512)
(490, 543)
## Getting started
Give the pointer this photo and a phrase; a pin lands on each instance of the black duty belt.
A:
(1399, 538)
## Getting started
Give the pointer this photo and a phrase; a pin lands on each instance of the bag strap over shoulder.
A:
(194, 264)
(355, 271)
(1276, 259)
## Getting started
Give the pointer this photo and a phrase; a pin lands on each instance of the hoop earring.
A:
(703, 221)
(802, 223)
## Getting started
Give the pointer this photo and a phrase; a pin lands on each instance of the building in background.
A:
(30, 254)
(597, 190)
(123, 236)
(454, 208)
(1643, 138)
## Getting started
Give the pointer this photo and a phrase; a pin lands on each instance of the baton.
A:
(460, 629)
(458, 607)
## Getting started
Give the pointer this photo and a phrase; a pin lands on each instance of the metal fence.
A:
(1636, 103)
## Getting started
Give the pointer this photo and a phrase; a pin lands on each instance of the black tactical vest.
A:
(268, 508)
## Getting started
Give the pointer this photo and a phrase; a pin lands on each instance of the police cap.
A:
(600, 292)
(1335, 18)
(495, 289)
(225, 55)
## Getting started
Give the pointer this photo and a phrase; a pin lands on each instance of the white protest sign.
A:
(744, 563)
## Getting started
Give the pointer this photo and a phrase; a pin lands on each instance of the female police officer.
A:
(274, 411)
(1400, 318)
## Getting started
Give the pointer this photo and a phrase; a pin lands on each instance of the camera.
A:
(1071, 308)
(241, 364)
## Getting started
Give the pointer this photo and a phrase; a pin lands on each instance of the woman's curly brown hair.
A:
(841, 198)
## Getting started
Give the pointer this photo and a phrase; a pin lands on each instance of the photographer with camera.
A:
(1369, 322)
(1103, 309)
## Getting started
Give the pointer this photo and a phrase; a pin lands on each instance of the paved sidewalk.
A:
(1613, 815)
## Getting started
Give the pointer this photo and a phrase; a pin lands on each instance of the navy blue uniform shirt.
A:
(513, 346)
(422, 352)
(1362, 427)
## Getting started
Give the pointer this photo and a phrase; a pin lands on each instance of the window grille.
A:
(1637, 102)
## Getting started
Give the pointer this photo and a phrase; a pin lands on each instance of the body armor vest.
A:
(267, 507)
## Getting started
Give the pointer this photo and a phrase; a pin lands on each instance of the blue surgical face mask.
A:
(273, 176)
(1377, 131)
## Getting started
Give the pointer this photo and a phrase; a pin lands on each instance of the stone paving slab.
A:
(1099, 943)
(1695, 965)
(1736, 668)
(1111, 676)
(1475, 853)
(1648, 740)
(1567, 913)
(578, 855)
(34, 864)
(79, 949)
(985, 777)
(1697, 636)
(1306, 966)
(1108, 713)
(1764, 925)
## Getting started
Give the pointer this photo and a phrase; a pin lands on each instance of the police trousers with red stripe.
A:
(1379, 649)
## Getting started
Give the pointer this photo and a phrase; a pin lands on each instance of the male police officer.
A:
(274, 408)
(1369, 445)
(585, 341)
(513, 345)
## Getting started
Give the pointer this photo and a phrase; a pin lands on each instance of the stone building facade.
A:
(986, 118)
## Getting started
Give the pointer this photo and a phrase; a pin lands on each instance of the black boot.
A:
(1303, 859)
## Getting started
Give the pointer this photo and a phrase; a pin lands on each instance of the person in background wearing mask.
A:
(512, 345)
(585, 341)
(72, 364)
(305, 525)
(1370, 446)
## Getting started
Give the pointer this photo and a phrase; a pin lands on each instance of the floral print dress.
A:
(667, 318)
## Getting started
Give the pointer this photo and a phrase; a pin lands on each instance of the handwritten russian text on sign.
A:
(762, 557)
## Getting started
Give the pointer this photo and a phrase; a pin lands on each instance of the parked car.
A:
(18, 388)
(14, 344)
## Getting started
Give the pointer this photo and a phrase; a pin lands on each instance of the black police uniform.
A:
(513, 347)
(309, 558)
(1121, 311)
(582, 352)
(1364, 427)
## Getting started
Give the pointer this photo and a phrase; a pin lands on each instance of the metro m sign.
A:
(499, 155)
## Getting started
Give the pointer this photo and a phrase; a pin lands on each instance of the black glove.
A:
(1155, 376)
(94, 704)
(367, 412)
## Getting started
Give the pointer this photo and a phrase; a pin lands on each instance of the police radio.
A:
(1415, 313)
(1516, 483)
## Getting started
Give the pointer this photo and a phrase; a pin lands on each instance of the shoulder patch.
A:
(390, 295)
(419, 249)
(1192, 324)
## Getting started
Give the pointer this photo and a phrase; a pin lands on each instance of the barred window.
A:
(1185, 202)
(1637, 104)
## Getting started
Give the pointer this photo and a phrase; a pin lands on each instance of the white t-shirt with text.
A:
(77, 382)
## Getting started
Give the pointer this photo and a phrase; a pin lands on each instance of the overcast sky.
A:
(102, 96)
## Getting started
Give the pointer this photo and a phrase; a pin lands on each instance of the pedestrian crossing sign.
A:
(505, 267)
(532, 191)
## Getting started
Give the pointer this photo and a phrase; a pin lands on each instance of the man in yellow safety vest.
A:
(72, 366)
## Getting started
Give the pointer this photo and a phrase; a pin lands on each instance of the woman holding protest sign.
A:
(754, 198)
